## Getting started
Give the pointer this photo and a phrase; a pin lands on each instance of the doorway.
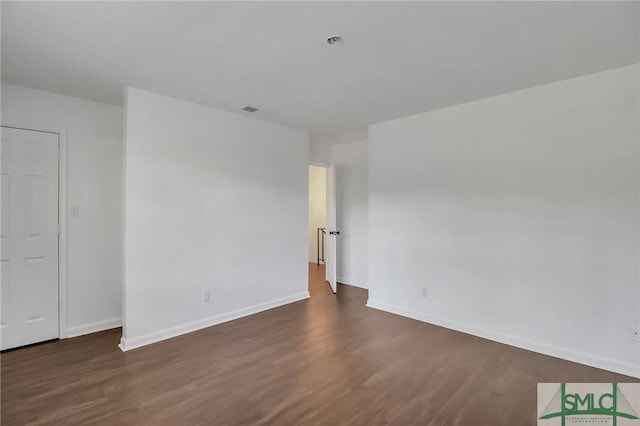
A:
(322, 231)
(30, 236)
(317, 228)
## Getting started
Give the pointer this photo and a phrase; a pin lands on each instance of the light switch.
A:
(75, 211)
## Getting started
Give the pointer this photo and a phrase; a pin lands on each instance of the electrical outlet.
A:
(635, 334)
(425, 293)
(206, 296)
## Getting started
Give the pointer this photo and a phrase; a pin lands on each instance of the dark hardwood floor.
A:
(325, 361)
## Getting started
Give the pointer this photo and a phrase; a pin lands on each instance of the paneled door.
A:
(332, 232)
(29, 252)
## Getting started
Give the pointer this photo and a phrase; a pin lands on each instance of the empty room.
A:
(320, 213)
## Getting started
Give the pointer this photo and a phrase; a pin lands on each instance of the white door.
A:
(332, 232)
(29, 270)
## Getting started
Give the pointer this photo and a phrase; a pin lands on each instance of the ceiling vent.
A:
(249, 108)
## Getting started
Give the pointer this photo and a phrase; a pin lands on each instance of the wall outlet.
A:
(635, 334)
(206, 296)
(425, 293)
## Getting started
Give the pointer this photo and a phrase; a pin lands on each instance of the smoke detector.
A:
(334, 40)
(249, 108)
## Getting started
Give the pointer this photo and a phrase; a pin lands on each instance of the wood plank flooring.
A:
(324, 361)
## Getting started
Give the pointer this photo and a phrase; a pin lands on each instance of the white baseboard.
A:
(167, 333)
(348, 281)
(94, 327)
(539, 347)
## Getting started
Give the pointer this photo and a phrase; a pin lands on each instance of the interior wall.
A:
(351, 166)
(518, 215)
(204, 189)
(319, 153)
(94, 184)
(321, 144)
(317, 207)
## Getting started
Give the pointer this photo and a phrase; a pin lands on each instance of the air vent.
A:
(249, 108)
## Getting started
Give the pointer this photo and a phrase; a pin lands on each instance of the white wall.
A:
(351, 165)
(519, 215)
(94, 183)
(215, 202)
(317, 207)
(319, 153)
(321, 144)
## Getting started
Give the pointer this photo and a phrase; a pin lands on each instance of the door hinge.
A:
(59, 305)
(58, 229)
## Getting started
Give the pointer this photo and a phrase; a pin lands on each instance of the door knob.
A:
(334, 232)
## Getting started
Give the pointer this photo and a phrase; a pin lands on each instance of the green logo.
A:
(565, 404)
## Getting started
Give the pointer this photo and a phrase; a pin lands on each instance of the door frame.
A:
(325, 166)
(62, 215)
(315, 164)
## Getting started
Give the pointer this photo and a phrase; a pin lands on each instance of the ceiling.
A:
(397, 59)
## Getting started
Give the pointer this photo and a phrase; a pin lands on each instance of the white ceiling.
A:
(397, 59)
